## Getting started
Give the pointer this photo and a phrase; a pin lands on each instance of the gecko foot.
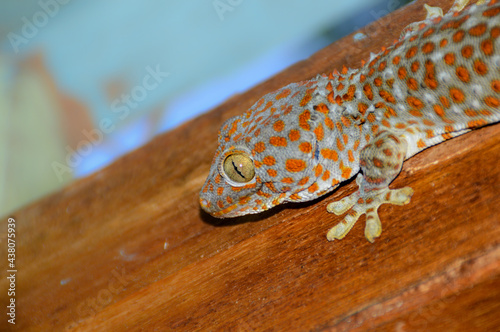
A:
(362, 202)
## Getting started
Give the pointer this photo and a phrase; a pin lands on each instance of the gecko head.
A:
(263, 159)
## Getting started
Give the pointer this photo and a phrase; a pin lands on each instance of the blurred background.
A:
(84, 82)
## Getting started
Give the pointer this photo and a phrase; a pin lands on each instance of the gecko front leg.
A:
(381, 162)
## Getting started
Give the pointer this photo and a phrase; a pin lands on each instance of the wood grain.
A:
(129, 247)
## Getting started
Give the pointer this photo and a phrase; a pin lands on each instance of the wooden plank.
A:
(129, 247)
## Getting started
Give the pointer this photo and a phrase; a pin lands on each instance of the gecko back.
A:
(439, 81)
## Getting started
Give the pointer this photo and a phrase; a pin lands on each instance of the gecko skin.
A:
(441, 80)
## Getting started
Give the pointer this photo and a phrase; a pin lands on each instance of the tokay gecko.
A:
(438, 81)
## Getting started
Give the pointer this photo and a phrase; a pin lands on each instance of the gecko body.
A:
(440, 80)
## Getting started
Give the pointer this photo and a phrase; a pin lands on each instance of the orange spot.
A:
(487, 47)
(295, 165)
(356, 144)
(457, 95)
(220, 204)
(220, 191)
(495, 85)
(443, 42)
(411, 52)
(388, 97)
(340, 86)
(303, 181)
(338, 100)
(307, 97)
(438, 109)
(421, 144)
(492, 101)
(412, 84)
(415, 112)
(428, 122)
(345, 137)
(305, 147)
(377, 162)
(491, 12)
(269, 161)
(313, 188)
(287, 180)
(449, 58)
(278, 141)
(362, 107)
(480, 67)
(304, 120)
(318, 170)
(402, 72)
(294, 135)
(470, 113)
(400, 126)
(329, 154)
(415, 102)
(325, 176)
(382, 66)
(279, 126)
(257, 132)
(350, 156)
(346, 171)
(467, 51)
(463, 74)
(495, 32)
(385, 123)
(283, 94)
(477, 30)
(458, 36)
(444, 101)
(271, 187)
(345, 121)
(415, 66)
(428, 47)
(259, 147)
(377, 81)
(428, 32)
(318, 131)
(476, 123)
(272, 172)
(322, 108)
(288, 110)
(350, 93)
(371, 117)
(396, 60)
(340, 146)
(329, 123)
(229, 200)
(368, 91)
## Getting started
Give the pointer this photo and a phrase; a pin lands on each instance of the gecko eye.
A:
(238, 167)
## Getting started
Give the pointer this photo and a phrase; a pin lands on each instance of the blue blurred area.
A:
(145, 67)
